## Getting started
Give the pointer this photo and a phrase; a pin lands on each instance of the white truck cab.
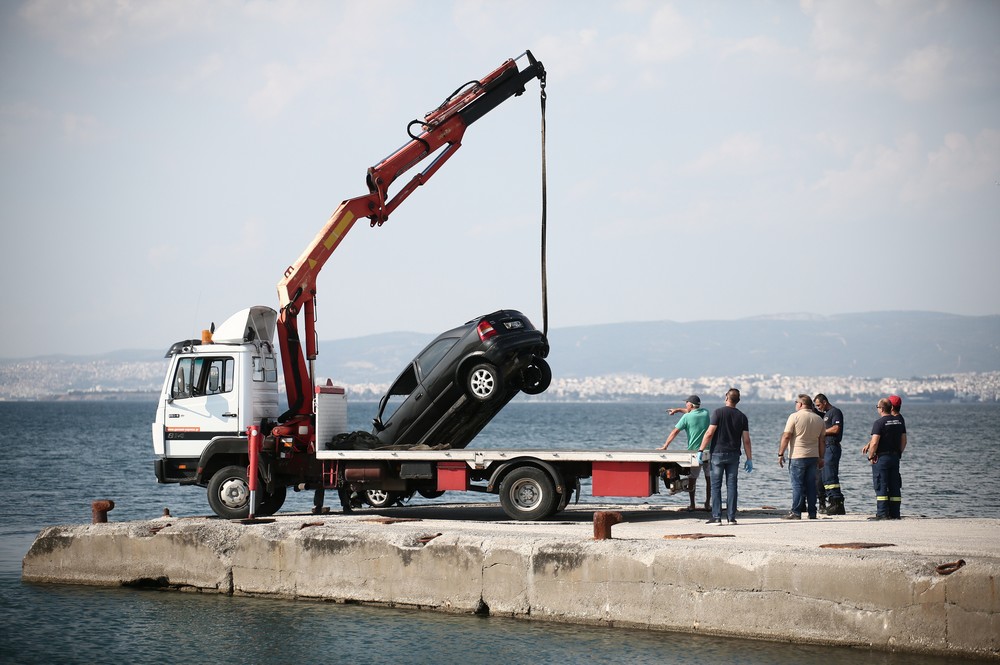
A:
(214, 389)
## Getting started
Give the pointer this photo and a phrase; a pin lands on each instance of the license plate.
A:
(513, 325)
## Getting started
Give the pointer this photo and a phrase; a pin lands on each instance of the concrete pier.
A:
(847, 581)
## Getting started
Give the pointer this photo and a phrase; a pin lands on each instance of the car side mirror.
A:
(377, 424)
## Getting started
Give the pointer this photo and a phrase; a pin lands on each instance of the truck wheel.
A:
(271, 502)
(381, 498)
(229, 493)
(536, 377)
(483, 382)
(430, 494)
(527, 494)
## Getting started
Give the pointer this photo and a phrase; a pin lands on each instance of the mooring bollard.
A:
(603, 521)
(99, 510)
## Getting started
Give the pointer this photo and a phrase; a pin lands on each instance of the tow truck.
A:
(218, 425)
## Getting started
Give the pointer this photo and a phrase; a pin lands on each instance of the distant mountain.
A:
(880, 344)
(875, 344)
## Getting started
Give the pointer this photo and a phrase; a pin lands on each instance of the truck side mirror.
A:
(377, 424)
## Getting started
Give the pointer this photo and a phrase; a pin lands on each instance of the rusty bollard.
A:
(603, 520)
(99, 510)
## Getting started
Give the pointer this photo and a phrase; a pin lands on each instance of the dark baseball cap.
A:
(694, 399)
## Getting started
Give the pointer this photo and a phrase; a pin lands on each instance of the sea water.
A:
(57, 457)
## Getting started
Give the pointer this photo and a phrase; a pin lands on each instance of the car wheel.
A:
(428, 494)
(483, 382)
(527, 493)
(381, 498)
(536, 377)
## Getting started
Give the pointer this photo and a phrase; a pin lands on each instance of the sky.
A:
(162, 163)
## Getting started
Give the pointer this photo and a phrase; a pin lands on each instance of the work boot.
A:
(822, 503)
(836, 507)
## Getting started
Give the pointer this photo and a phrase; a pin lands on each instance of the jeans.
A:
(802, 473)
(888, 485)
(831, 472)
(728, 463)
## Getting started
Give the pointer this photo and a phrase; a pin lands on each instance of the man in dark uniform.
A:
(883, 451)
(833, 418)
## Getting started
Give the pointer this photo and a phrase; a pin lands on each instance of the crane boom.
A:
(441, 133)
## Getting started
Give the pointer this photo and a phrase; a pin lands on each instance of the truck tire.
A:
(271, 502)
(536, 377)
(483, 383)
(528, 493)
(229, 493)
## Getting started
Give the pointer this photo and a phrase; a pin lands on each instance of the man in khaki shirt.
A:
(805, 439)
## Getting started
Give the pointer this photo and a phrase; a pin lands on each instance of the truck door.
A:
(202, 404)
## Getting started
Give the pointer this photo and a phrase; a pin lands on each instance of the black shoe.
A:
(877, 517)
(836, 508)
(714, 521)
(791, 516)
(733, 522)
(812, 517)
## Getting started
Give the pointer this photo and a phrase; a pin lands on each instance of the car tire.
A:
(536, 377)
(381, 498)
(430, 494)
(528, 493)
(483, 382)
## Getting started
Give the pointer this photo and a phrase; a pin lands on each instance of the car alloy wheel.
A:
(483, 382)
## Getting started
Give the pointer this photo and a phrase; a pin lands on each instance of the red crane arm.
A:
(441, 132)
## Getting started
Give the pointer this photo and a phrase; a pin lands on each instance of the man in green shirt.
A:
(694, 422)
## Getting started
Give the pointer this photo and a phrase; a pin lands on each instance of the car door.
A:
(412, 405)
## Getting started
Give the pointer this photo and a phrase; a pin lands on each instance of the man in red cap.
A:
(895, 401)
(883, 451)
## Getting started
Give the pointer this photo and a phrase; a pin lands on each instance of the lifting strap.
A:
(545, 287)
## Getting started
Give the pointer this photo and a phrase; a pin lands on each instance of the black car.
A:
(455, 386)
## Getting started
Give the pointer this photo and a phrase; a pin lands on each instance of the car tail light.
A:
(485, 330)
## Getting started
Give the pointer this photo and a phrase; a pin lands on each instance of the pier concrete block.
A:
(133, 554)
(885, 599)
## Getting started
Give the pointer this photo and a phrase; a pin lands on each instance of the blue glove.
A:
(748, 466)
(697, 457)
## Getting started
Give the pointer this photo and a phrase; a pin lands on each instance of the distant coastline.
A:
(973, 387)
